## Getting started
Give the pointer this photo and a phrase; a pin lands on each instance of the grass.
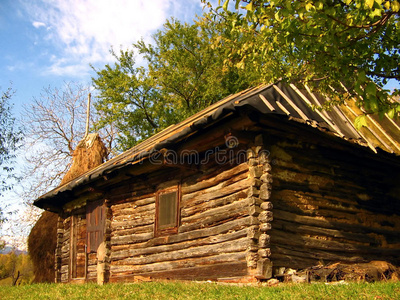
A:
(185, 290)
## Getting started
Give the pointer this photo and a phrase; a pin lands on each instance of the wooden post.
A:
(88, 115)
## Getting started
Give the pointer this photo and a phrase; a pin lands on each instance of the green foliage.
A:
(17, 268)
(185, 72)
(322, 44)
(9, 138)
(190, 290)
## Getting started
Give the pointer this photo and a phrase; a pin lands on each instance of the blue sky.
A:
(48, 42)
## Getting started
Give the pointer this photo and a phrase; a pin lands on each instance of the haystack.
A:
(42, 242)
(89, 153)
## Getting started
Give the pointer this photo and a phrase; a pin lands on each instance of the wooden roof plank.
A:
(322, 114)
(291, 103)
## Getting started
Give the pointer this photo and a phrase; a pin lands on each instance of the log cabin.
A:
(255, 183)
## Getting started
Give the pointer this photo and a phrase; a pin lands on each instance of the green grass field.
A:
(182, 290)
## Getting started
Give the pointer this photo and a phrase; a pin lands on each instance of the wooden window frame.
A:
(172, 229)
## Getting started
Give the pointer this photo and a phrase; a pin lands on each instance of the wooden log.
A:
(238, 171)
(265, 194)
(317, 255)
(139, 221)
(253, 192)
(134, 230)
(216, 215)
(293, 262)
(134, 215)
(264, 268)
(264, 227)
(252, 161)
(251, 259)
(255, 182)
(229, 236)
(324, 223)
(233, 225)
(191, 210)
(256, 171)
(266, 168)
(264, 240)
(200, 251)
(179, 264)
(265, 216)
(134, 201)
(207, 272)
(217, 191)
(280, 238)
(266, 205)
(253, 232)
(131, 239)
(324, 232)
(133, 209)
(264, 252)
(254, 210)
(267, 178)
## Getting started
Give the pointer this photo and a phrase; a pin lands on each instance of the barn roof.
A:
(279, 99)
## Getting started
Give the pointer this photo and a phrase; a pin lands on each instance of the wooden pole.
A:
(87, 115)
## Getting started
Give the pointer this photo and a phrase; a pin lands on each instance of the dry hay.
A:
(42, 245)
(369, 272)
(89, 153)
(42, 239)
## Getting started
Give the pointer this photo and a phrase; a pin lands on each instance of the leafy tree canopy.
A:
(321, 43)
(9, 138)
(184, 72)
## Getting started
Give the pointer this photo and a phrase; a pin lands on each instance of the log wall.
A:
(296, 205)
(212, 240)
(331, 206)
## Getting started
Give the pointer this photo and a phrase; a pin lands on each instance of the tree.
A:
(10, 136)
(322, 44)
(55, 123)
(184, 72)
(17, 267)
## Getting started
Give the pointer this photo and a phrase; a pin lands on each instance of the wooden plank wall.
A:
(212, 240)
(331, 206)
(65, 250)
(73, 250)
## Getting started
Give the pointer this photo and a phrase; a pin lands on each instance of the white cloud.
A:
(38, 24)
(85, 30)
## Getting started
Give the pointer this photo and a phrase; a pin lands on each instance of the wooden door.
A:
(78, 246)
(95, 223)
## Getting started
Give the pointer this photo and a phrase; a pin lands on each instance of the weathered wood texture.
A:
(65, 250)
(212, 237)
(332, 206)
(58, 254)
(73, 251)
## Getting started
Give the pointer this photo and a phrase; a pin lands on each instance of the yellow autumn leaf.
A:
(395, 6)
(370, 3)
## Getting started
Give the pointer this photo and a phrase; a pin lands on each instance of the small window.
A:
(167, 211)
